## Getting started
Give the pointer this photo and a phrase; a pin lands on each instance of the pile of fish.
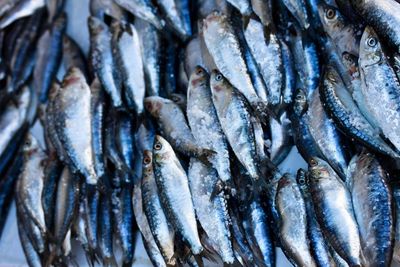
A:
(174, 126)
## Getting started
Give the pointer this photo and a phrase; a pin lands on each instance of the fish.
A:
(293, 222)
(129, 63)
(54, 8)
(30, 182)
(102, 60)
(91, 207)
(380, 86)
(143, 9)
(244, 6)
(270, 63)
(289, 77)
(263, 9)
(49, 55)
(151, 49)
(396, 200)
(102, 8)
(20, 10)
(281, 138)
(212, 213)
(231, 107)
(373, 207)
(73, 116)
(180, 100)
(125, 140)
(345, 113)
(174, 192)
(173, 124)
(147, 237)
(204, 122)
(319, 247)
(228, 57)
(382, 15)
(161, 229)
(7, 5)
(336, 218)
(32, 257)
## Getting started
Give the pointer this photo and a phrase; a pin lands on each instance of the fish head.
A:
(31, 145)
(300, 102)
(96, 25)
(301, 179)
(179, 99)
(318, 169)
(370, 48)
(198, 78)
(214, 21)
(331, 18)
(331, 77)
(154, 104)
(220, 87)
(162, 150)
(74, 76)
(147, 163)
(286, 180)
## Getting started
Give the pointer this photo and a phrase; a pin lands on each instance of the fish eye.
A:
(175, 99)
(146, 160)
(372, 42)
(302, 181)
(199, 71)
(313, 163)
(330, 13)
(396, 68)
(157, 146)
(218, 77)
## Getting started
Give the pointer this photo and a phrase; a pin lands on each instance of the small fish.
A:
(124, 139)
(281, 138)
(336, 218)
(73, 120)
(160, 227)
(49, 55)
(293, 222)
(231, 106)
(175, 196)
(173, 124)
(263, 9)
(54, 8)
(174, 17)
(32, 257)
(243, 6)
(102, 60)
(73, 56)
(373, 207)
(289, 80)
(100, 8)
(128, 61)
(151, 48)
(299, 11)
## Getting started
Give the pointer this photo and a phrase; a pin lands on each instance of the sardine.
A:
(373, 207)
(263, 9)
(175, 195)
(73, 56)
(143, 9)
(243, 6)
(281, 138)
(299, 11)
(289, 80)
(174, 17)
(336, 218)
(32, 257)
(100, 8)
(22, 9)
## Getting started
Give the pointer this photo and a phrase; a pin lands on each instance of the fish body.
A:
(143, 9)
(21, 9)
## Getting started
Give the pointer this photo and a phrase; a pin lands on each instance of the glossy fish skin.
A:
(334, 211)
(175, 195)
(235, 121)
(159, 225)
(383, 16)
(148, 240)
(124, 139)
(79, 230)
(298, 9)
(173, 124)
(100, 8)
(145, 136)
(211, 212)
(224, 47)
(339, 104)
(174, 18)
(143, 9)
(151, 48)
(102, 60)
(170, 59)
(243, 6)
(128, 59)
(293, 222)
(105, 231)
(289, 79)
(263, 9)
(97, 107)
(329, 140)
(32, 257)
(54, 8)
(318, 244)
(124, 221)
(204, 124)
(52, 172)
(12, 119)
(7, 5)
(369, 186)
(21, 9)
(73, 56)
(312, 66)
(7, 185)
(30, 182)
(91, 211)
(281, 138)
(396, 64)
(380, 86)
(344, 34)
(73, 116)
(49, 56)
(267, 53)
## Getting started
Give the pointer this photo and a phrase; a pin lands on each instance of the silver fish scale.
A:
(206, 128)
(211, 213)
